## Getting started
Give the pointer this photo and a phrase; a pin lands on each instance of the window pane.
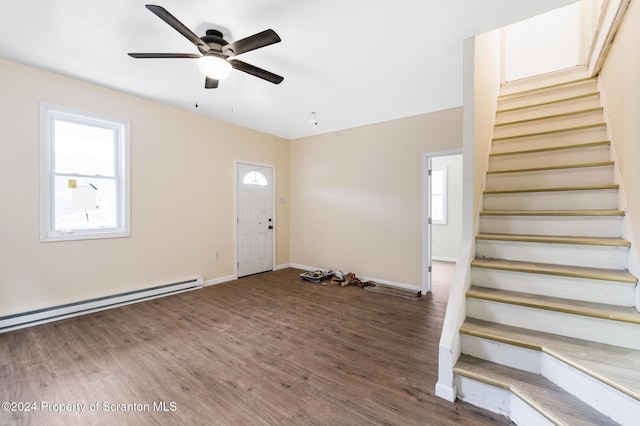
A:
(255, 178)
(437, 208)
(85, 203)
(437, 181)
(83, 149)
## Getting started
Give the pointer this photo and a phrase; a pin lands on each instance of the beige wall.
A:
(620, 80)
(356, 195)
(182, 167)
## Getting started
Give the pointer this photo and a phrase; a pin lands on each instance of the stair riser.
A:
(546, 95)
(558, 254)
(583, 289)
(533, 82)
(549, 141)
(501, 353)
(546, 124)
(561, 107)
(550, 158)
(609, 332)
(584, 226)
(609, 401)
(601, 199)
(581, 176)
(599, 395)
(499, 401)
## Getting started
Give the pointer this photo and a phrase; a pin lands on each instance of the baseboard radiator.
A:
(55, 313)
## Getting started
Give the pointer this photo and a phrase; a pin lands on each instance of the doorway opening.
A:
(442, 211)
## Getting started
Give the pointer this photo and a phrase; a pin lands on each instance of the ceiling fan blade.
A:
(258, 72)
(164, 55)
(210, 83)
(162, 13)
(256, 41)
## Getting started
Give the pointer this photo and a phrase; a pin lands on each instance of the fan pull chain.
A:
(197, 74)
(232, 92)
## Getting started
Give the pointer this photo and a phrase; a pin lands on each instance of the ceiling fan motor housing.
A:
(214, 40)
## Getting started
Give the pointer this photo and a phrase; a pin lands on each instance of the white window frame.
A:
(445, 190)
(48, 115)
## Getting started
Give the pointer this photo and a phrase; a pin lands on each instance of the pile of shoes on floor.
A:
(337, 277)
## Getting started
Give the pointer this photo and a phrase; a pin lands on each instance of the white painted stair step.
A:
(559, 106)
(545, 177)
(604, 376)
(547, 94)
(585, 223)
(564, 198)
(604, 274)
(550, 122)
(553, 78)
(586, 290)
(595, 322)
(572, 136)
(594, 152)
(616, 366)
(475, 378)
(607, 253)
(507, 92)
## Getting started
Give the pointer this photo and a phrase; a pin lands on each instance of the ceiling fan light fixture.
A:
(214, 67)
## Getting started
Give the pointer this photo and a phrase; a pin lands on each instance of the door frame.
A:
(235, 212)
(427, 255)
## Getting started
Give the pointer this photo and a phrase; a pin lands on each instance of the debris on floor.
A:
(395, 291)
(316, 276)
(350, 278)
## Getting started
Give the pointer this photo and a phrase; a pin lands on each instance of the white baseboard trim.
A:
(220, 280)
(361, 278)
(444, 258)
(446, 392)
(283, 266)
(305, 267)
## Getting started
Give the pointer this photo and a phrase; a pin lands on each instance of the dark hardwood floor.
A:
(268, 349)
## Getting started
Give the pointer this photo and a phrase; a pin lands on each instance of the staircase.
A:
(551, 335)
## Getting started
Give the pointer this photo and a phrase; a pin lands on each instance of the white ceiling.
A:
(354, 62)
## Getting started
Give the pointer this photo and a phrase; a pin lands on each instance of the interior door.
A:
(255, 219)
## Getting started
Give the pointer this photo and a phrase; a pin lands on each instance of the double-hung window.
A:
(84, 175)
(439, 195)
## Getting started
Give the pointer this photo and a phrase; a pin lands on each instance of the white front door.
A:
(255, 219)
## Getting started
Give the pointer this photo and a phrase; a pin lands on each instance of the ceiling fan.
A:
(215, 51)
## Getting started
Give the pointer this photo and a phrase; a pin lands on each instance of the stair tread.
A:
(579, 213)
(575, 307)
(558, 167)
(558, 239)
(551, 116)
(555, 86)
(552, 148)
(546, 397)
(552, 269)
(553, 189)
(555, 101)
(549, 132)
(618, 367)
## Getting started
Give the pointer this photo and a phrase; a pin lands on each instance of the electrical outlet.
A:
(217, 255)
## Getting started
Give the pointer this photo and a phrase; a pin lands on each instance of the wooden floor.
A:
(267, 349)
